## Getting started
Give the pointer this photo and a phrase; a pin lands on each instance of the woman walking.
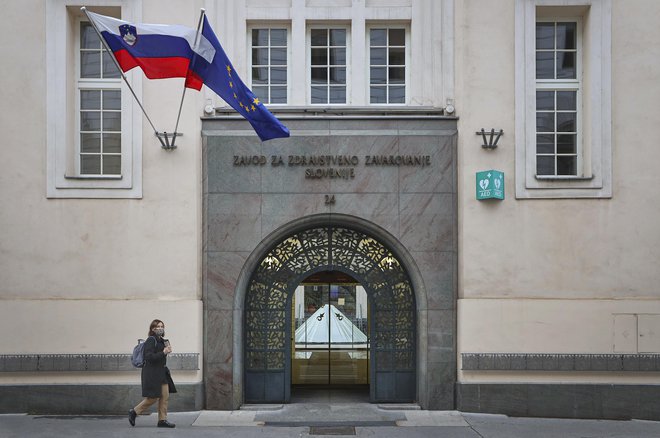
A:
(157, 384)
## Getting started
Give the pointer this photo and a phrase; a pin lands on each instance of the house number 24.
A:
(329, 199)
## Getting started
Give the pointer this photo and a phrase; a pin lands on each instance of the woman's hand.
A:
(167, 350)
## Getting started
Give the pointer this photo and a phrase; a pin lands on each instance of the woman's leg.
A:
(162, 402)
(144, 405)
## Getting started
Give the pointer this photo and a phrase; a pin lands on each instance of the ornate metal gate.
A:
(267, 311)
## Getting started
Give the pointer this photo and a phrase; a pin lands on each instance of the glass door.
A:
(330, 332)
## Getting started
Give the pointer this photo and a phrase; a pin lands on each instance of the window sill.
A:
(563, 178)
(94, 177)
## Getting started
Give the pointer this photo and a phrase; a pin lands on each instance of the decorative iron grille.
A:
(392, 331)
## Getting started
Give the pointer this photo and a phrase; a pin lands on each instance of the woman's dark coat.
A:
(154, 371)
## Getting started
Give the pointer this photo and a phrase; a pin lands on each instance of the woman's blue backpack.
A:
(137, 358)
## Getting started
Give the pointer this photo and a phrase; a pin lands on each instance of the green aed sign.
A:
(490, 185)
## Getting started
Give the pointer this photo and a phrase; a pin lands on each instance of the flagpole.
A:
(183, 95)
(112, 55)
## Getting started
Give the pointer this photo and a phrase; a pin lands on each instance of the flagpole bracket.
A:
(167, 139)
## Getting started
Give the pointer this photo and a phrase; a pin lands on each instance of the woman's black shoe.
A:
(165, 423)
(131, 416)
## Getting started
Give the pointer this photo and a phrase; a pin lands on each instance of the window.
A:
(328, 72)
(269, 64)
(563, 99)
(94, 127)
(99, 91)
(387, 65)
(557, 98)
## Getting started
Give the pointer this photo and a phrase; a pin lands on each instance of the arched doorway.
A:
(268, 335)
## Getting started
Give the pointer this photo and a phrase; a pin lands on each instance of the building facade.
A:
(463, 216)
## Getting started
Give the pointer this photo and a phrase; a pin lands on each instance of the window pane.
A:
(259, 37)
(261, 93)
(319, 95)
(259, 75)
(397, 94)
(90, 142)
(112, 143)
(90, 164)
(319, 37)
(259, 56)
(565, 65)
(545, 165)
(545, 100)
(545, 65)
(566, 100)
(278, 95)
(378, 37)
(278, 75)
(111, 121)
(337, 37)
(566, 122)
(378, 95)
(90, 99)
(278, 37)
(111, 164)
(320, 75)
(545, 144)
(90, 121)
(566, 165)
(278, 56)
(89, 39)
(566, 144)
(397, 75)
(337, 94)
(338, 75)
(545, 35)
(378, 56)
(397, 37)
(110, 70)
(545, 122)
(319, 56)
(397, 56)
(90, 64)
(337, 56)
(566, 36)
(111, 99)
(378, 75)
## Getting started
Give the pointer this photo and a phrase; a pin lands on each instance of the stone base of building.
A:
(592, 401)
(90, 399)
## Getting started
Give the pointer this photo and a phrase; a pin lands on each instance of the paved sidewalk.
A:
(319, 419)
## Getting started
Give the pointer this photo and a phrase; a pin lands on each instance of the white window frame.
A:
(308, 62)
(270, 26)
(406, 29)
(63, 108)
(594, 179)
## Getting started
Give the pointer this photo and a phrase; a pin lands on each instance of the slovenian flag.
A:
(169, 51)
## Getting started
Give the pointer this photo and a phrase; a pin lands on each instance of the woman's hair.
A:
(153, 325)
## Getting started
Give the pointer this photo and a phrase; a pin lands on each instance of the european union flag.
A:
(220, 76)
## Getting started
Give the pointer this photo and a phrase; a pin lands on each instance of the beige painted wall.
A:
(95, 327)
(548, 275)
(95, 249)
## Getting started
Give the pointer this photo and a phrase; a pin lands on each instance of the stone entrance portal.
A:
(367, 193)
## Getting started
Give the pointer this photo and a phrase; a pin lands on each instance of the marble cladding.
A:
(87, 362)
(244, 204)
(559, 362)
(584, 401)
(84, 399)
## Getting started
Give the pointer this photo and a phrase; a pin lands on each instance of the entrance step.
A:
(269, 407)
(400, 407)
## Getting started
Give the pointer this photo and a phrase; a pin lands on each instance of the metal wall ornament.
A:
(491, 138)
(268, 306)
